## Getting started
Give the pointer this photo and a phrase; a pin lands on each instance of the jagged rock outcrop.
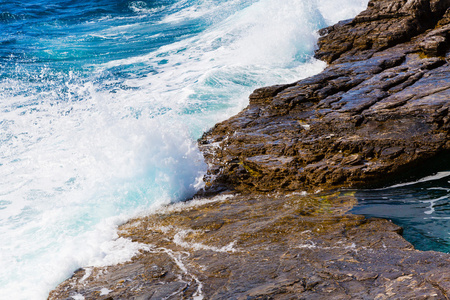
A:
(381, 106)
(384, 24)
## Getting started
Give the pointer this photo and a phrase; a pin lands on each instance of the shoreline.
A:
(380, 107)
(269, 246)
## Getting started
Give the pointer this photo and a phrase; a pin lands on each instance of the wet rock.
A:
(267, 247)
(369, 115)
(384, 24)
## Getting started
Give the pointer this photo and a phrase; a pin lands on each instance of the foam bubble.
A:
(142, 7)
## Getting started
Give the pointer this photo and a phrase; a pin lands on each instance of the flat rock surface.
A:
(266, 247)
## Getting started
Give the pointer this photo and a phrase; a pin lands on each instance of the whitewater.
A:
(101, 104)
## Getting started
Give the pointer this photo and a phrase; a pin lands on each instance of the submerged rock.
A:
(382, 106)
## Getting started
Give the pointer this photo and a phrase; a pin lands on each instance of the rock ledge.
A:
(379, 108)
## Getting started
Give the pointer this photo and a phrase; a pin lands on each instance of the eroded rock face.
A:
(266, 247)
(384, 24)
(377, 109)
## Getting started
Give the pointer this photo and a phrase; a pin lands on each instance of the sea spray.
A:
(100, 107)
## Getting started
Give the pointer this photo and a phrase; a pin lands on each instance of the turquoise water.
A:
(421, 206)
(101, 103)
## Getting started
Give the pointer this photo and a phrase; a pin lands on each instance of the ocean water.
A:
(101, 103)
(421, 206)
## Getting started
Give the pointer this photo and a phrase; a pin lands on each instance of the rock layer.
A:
(380, 107)
(384, 24)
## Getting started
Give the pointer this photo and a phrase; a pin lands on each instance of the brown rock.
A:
(267, 247)
(371, 114)
(384, 24)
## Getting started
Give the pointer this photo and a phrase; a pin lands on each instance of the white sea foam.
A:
(177, 257)
(437, 176)
(80, 154)
(179, 239)
(432, 202)
(105, 291)
(335, 11)
(142, 8)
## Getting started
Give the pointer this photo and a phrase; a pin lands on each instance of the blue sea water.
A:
(101, 103)
(421, 207)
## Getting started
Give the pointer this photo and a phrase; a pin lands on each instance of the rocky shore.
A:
(380, 108)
